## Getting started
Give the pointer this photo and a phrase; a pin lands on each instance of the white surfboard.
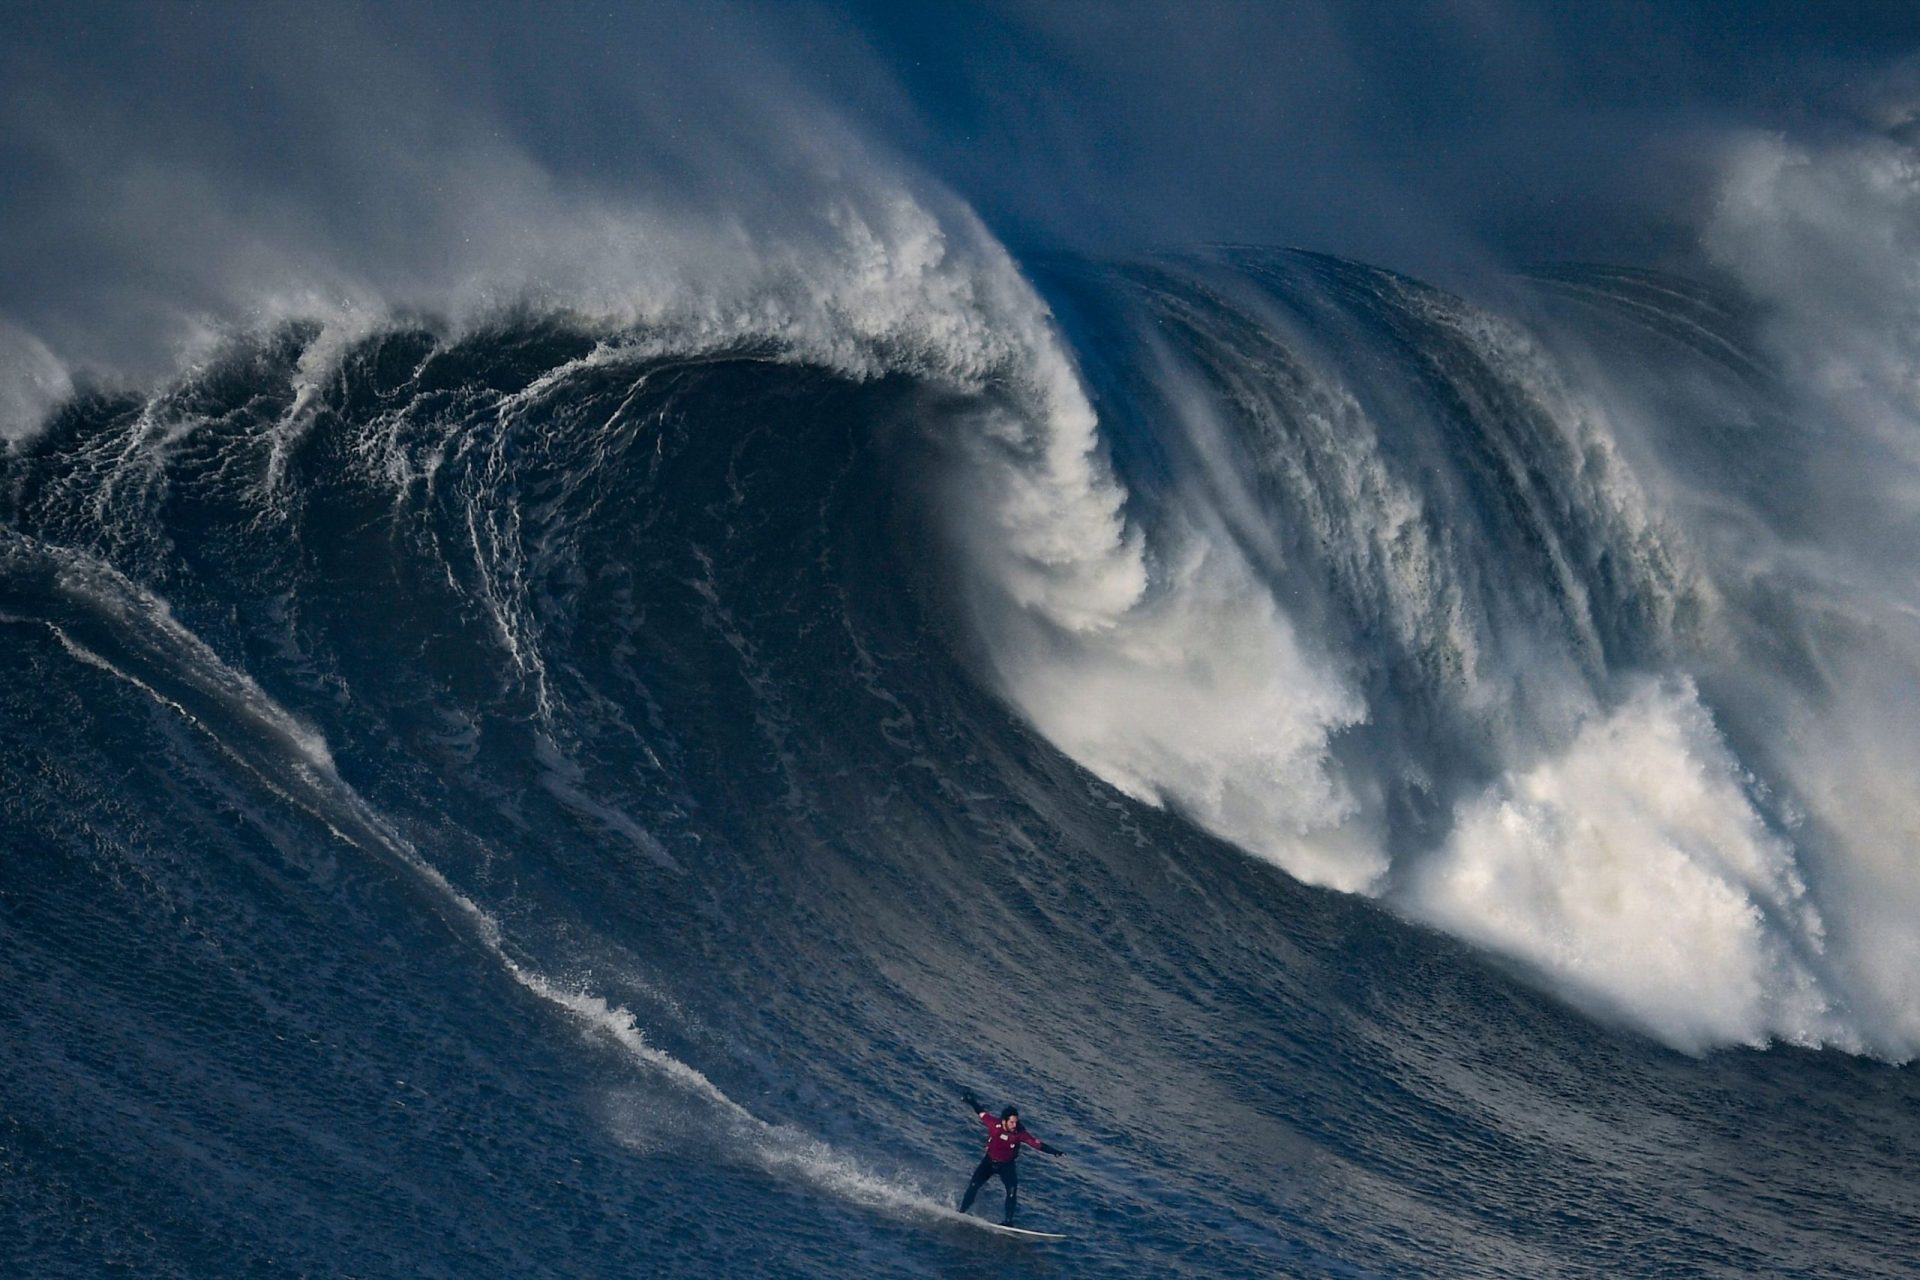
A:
(1018, 1231)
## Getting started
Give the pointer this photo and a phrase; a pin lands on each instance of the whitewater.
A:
(571, 766)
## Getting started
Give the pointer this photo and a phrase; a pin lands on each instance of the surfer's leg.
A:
(980, 1177)
(1010, 1174)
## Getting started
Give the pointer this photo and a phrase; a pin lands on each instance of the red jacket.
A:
(1002, 1146)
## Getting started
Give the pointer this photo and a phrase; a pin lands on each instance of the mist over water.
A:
(596, 676)
(1518, 543)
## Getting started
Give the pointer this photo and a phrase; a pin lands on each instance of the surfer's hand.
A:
(970, 1100)
(1051, 1151)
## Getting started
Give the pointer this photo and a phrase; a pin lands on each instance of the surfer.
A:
(1004, 1138)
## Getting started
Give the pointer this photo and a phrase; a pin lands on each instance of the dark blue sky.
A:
(1387, 130)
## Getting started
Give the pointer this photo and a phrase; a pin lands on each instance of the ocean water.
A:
(1392, 784)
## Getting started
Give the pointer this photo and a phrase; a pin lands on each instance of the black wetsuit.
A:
(1008, 1171)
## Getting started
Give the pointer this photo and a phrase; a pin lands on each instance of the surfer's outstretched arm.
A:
(1036, 1144)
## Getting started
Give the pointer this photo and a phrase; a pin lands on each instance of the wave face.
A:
(551, 798)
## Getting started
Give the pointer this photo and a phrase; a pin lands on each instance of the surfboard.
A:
(1020, 1231)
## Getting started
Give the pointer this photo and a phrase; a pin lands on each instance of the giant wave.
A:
(798, 648)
